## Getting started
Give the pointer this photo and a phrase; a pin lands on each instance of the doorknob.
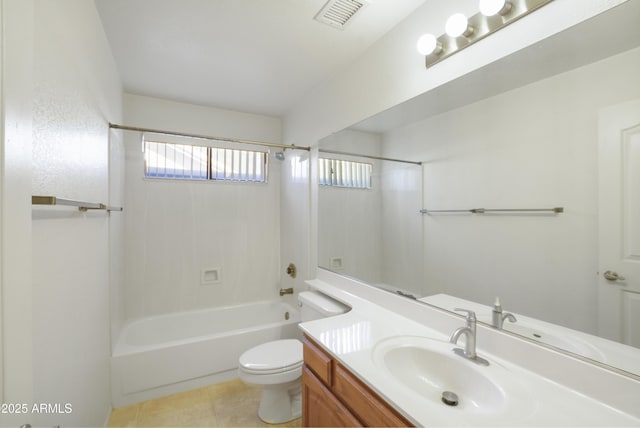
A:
(613, 276)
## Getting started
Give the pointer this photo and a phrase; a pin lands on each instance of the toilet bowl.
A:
(277, 365)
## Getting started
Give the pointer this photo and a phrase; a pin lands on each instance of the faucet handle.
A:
(471, 315)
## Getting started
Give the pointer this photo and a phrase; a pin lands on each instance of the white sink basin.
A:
(570, 342)
(428, 367)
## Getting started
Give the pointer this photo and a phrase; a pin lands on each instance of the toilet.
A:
(277, 365)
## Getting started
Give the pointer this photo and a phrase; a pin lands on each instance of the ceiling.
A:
(258, 56)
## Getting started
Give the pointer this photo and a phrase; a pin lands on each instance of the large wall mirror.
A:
(368, 221)
(554, 125)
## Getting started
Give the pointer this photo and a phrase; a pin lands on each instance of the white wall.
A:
(77, 93)
(195, 119)
(15, 156)
(402, 248)
(531, 147)
(295, 211)
(116, 233)
(175, 229)
(1, 193)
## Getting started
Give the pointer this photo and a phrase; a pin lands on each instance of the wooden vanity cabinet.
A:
(333, 397)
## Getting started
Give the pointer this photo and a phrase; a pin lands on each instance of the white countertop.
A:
(352, 339)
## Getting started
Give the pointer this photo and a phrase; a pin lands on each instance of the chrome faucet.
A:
(469, 330)
(284, 291)
(498, 317)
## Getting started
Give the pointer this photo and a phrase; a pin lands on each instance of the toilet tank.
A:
(315, 305)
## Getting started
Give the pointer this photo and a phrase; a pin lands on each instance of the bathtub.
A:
(170, 353)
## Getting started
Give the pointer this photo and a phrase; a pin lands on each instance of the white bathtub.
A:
(170, 353)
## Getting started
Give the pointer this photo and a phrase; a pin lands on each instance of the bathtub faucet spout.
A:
(284, 291)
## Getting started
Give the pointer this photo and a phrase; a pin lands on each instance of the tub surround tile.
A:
(227, 404)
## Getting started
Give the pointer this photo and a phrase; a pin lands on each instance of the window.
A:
(164, 160)
(342, 173)
(187, 162)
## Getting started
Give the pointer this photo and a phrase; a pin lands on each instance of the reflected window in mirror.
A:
(373, 235)
(344, 173)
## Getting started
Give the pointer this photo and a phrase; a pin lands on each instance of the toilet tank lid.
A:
(322, 303)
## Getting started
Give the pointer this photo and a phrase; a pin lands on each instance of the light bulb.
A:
(428, 44)
(494, 7)
(458, 25)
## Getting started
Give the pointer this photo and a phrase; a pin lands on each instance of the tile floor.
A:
(228, 404)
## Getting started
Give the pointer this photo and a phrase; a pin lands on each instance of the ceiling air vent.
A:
(337, 13)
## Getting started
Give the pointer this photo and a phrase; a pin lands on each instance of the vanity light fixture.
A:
(458, 25)
(461, 31)
(428, 44)
(495, 7)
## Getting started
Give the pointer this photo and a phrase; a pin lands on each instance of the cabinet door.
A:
(367, 405)
(320, 408)
(317, 360)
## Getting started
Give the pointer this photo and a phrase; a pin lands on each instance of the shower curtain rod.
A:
(336, 152)
(206, 137)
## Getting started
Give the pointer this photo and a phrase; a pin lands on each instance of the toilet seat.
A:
(272, 357)
(277, 366)
(273, 371)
